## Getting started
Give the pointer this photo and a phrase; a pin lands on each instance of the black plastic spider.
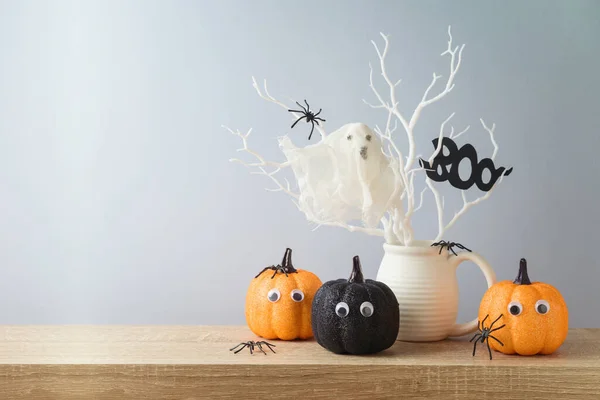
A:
(279, 268)
(449, 246)
(286, 267)
(309, 115)
(251, 345)
(484, 334)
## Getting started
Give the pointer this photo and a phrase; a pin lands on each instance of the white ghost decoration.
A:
(345, 177)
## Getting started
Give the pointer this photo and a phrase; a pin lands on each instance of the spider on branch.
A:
(450, 246)
(251, 345)
(310, 116)
(484, 334)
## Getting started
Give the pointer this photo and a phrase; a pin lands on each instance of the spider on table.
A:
(251, 345)
(484, 334)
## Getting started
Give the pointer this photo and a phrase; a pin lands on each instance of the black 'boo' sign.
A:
(438, 170)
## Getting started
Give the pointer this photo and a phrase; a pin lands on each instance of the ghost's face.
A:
(358, 140)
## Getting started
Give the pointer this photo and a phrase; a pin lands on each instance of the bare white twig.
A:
(387, 137)
(468, 204)
(439, 200)
(424, 100)
(452, 136)
(351, 228)
(440, 137)
(392, 107)
(420, 202)
(280, 187)
(455, 61)
(261, 161)
(491, 132)
(408, 171)
(439, 206)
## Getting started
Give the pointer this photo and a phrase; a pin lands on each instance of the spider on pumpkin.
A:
(484, 334)
(278, 268)
(449, 246)
(286, 267)
(251, 345)
(310, 116)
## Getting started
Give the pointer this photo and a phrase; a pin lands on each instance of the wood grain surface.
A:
(194, 362)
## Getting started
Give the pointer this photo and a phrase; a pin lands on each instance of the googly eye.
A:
(349, 137)
(297, 295)
(273, 295)
(515, 308)
(342, 309)
(542, 307)
(367, 309)
(368, 138)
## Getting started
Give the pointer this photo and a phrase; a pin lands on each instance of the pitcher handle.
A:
(490, 277)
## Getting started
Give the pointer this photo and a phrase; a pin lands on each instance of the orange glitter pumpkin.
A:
(535, 315)
(279, 304)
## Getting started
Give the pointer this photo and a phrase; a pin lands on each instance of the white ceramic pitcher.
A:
(426, 286)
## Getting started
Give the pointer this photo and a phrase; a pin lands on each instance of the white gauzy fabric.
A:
(345, 177)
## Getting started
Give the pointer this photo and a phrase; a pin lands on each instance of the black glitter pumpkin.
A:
(355, 316)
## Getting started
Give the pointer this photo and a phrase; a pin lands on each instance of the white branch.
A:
(399, 228)
(454, 67)
(452, 136)
(351, 228)
(491, 132)
(261, 161)
(394, 104)
(440, 137)
(424, 100)
(398, 184)
(439, 204)
(267, 96)
(373, 105)
(382, 104)
(468, 204)
(387, 230)
(412, 171)
(391, 144)
(402, 223)
(387, 136)
(455, 61)
(280, 187)
(392, 107)
(421, 202)
(399, 224)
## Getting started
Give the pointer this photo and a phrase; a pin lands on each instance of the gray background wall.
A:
(118, 204)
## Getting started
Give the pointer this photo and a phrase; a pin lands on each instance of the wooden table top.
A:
(188, 362)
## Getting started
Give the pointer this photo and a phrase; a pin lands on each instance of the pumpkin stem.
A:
(286, 263)
(356, 276)
(523, 277)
